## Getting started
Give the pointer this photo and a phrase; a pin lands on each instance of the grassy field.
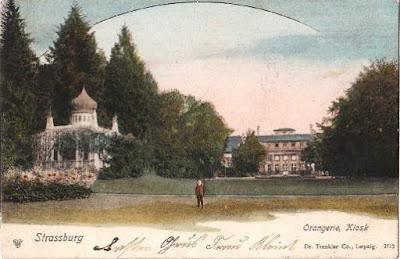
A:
(140, 201)
(182, 213)
(151, 184)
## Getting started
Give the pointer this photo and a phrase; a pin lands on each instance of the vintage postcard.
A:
(199, 129)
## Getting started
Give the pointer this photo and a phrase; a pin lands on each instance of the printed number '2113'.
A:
(389, 246)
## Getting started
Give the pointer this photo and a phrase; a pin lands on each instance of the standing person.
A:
(200, 191)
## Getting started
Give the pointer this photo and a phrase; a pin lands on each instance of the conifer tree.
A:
(130, 90)
(18, 66)
(76, 62)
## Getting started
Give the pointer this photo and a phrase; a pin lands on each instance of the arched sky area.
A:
(256, 67)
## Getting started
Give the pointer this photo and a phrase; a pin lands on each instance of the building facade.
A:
(283, 150)
(85, 131)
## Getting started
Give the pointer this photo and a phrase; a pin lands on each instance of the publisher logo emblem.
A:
(17, 242)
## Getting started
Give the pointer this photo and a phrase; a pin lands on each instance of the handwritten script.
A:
(217, 242)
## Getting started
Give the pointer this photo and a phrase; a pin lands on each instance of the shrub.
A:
(130, 157)
(177, 167)
(28, 191)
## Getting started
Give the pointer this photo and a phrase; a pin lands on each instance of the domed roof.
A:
(83, 102)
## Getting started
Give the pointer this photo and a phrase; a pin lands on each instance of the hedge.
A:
(28, 191)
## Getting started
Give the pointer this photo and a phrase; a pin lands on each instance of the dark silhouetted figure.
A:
(199, 190)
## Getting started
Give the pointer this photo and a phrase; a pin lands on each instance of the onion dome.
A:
(84, 102)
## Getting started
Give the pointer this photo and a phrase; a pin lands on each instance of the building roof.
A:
(234, 141)
(71, 128)
(84, 102)
(285, 138)
(284, 129)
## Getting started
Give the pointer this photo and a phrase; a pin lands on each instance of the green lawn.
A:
(150, 184)
(181, 212)
(109, 205)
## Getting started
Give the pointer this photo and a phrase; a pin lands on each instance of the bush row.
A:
(27, 191)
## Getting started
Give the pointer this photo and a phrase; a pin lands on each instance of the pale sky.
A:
(257, 68)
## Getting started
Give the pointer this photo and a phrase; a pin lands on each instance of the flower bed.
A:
(83, 177)
(38, 185)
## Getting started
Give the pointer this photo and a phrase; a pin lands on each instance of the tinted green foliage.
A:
(27, 191)
(190, 137)
(176, 135)
(129, 157)
(130, 90)
(312, 153)
(44, 95)
(361, 137)
(76, 62)
(247, 157)
(18, 66)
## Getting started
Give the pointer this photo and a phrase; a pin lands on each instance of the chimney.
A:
(115, 124)
(312, 131)
(49, 121)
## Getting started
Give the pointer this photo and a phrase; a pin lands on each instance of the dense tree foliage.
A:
(190, 137)
(76, 62)
(248, 156)
(18, 67)
(361, 136)
(130, 90)
(128, 157)
(173, 134)
(312, 153)
(44, 95)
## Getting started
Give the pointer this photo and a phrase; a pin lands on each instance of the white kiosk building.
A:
(83, 122)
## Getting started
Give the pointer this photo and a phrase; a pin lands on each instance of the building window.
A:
(55, 155)
(269, 167)
(293, 144)
(277, 145)
(276, 158)
(284, 144)
(269, 157)
(69, 155)
(294, 158)
(86, 156)
(294, 167)
(276, 168)
(285, 167)
(285, 158)
(301, 144)
(79, 118)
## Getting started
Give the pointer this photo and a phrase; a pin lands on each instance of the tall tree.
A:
(190, 137)
(44, 91)
(203, 132)
(76, 62)
(130, 90)
(18, 65)
(361, 136)
(248, 156)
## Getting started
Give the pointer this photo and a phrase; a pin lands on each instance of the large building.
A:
(83, 122)
(283, 151)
